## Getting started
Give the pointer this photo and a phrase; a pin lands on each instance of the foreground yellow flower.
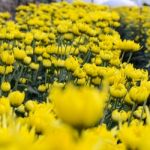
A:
(81, 107)
(4, 106)
(100, 138)
(131, 136)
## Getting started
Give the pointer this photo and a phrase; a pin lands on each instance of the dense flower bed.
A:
(135, 26)
(65, 83)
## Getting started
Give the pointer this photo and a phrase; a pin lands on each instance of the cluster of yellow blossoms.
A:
(70, 123)
(64, 83)
(135, 22)
(135, 25)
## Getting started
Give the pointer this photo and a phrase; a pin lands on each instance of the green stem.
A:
(35, 76)
(17, 81)
(144, 104)
(78, 44)
(46, 75)
(2, 80)
(122, 104)
(132, 111)
(122, 56)
(105, 112)
(69, 76)
(130, 56)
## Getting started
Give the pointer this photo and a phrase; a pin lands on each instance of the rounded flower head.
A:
(16, 98)
(71, 63)
(28, 38)
(81, 81)
(81, 107)
(118, 90)
(128, 45)
(30, 105)
(7, 58)
(9, 69)
(5, 86)
(27, 60)
(19, 54)
(119, 116)
(106, 55)
(34, 66)
(42, 88)
(39, 50)
(139, 94)
(47, 63)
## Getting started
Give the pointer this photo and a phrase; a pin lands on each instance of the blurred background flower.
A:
(10, 5)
